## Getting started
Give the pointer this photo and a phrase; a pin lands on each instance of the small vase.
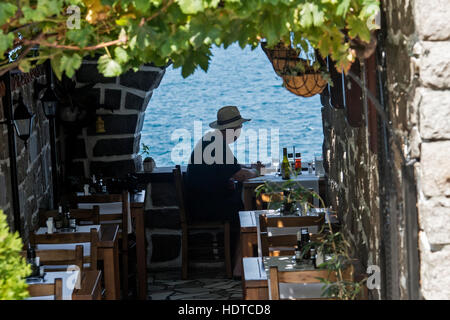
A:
(149, 164)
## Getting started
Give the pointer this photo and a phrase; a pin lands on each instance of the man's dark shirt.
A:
(209, 188)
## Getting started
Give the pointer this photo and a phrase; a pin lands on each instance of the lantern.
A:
(23, 120)
(49, 103)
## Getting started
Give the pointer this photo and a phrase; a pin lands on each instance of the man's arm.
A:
(245, 174)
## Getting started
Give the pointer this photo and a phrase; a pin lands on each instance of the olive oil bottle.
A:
(285, 166)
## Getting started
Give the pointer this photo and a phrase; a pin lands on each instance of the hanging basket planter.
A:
(299, 76)
(306, 85)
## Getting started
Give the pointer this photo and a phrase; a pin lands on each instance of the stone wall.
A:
(429, 134)
(353, 186)
(122, 102)
(417, 69)
(33, 163)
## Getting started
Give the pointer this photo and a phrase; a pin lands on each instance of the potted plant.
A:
(288, 197)
(148, 163)
(13, 267)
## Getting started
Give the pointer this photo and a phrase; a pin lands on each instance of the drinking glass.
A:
(318, 163)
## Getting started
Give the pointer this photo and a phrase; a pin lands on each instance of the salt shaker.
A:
(86, 189)
(50, 225)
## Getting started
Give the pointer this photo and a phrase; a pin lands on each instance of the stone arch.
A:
(123, 101)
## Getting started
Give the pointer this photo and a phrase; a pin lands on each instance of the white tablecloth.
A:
(67, 246)
(109, 208)
(69, 279)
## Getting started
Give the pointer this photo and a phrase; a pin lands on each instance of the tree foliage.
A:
(13, 267)
(127, 33)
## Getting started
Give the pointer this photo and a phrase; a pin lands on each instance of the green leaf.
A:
(359, 28)
(7, 10)
(343, 7)
(121, 55)
(81, 36)
(191, 6)
(108, 67)
(6, 42)
(69, 64)
(142, 5)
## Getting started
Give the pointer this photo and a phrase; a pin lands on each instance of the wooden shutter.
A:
(353, 97)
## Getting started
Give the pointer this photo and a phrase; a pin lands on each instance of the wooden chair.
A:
(302, 277)
(120, 218)
(60, 257)
(64, 238)
(85, 216)
(287, 242)
(186, 227)
(47, 289)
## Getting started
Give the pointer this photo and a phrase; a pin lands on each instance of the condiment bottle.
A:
(298, 250)
(50, 225)
(310, 168)
(298, 163)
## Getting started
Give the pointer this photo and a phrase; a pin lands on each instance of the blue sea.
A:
(240, 77)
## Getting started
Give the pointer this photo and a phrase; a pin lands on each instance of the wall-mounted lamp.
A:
(23, 121)
(49, 103)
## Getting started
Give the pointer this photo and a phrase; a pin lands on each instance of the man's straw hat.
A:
(228, 117)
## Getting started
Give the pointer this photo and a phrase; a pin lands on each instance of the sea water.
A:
(240, 77)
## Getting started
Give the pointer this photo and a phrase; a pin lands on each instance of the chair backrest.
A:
(121, 218)
(82, 215)
(302, 277)
(78, 237)
(289, 241)
(47, 289)
(181, 196)
(60, 257)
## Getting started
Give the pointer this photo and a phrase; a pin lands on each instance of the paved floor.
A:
(205, 285)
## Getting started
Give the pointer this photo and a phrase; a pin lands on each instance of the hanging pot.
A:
(280, 57)
(299, 77)
(305, 85)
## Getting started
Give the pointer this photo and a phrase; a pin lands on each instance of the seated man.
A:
(213, 170)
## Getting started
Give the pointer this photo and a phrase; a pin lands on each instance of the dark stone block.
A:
(109, 147)
(134, 102)
(76, 169)
(118, 169)
(116, 124)
(141, 80)
(162, 219)
(165, 247)
(112, 99)
(146, 101)
(140, 124)
(78, 149)
(89, 73)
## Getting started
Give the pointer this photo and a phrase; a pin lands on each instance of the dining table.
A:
(307, 180)
(257, 278)
(108, 252)
(76, 285)
(69, 281)
(249, 228)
